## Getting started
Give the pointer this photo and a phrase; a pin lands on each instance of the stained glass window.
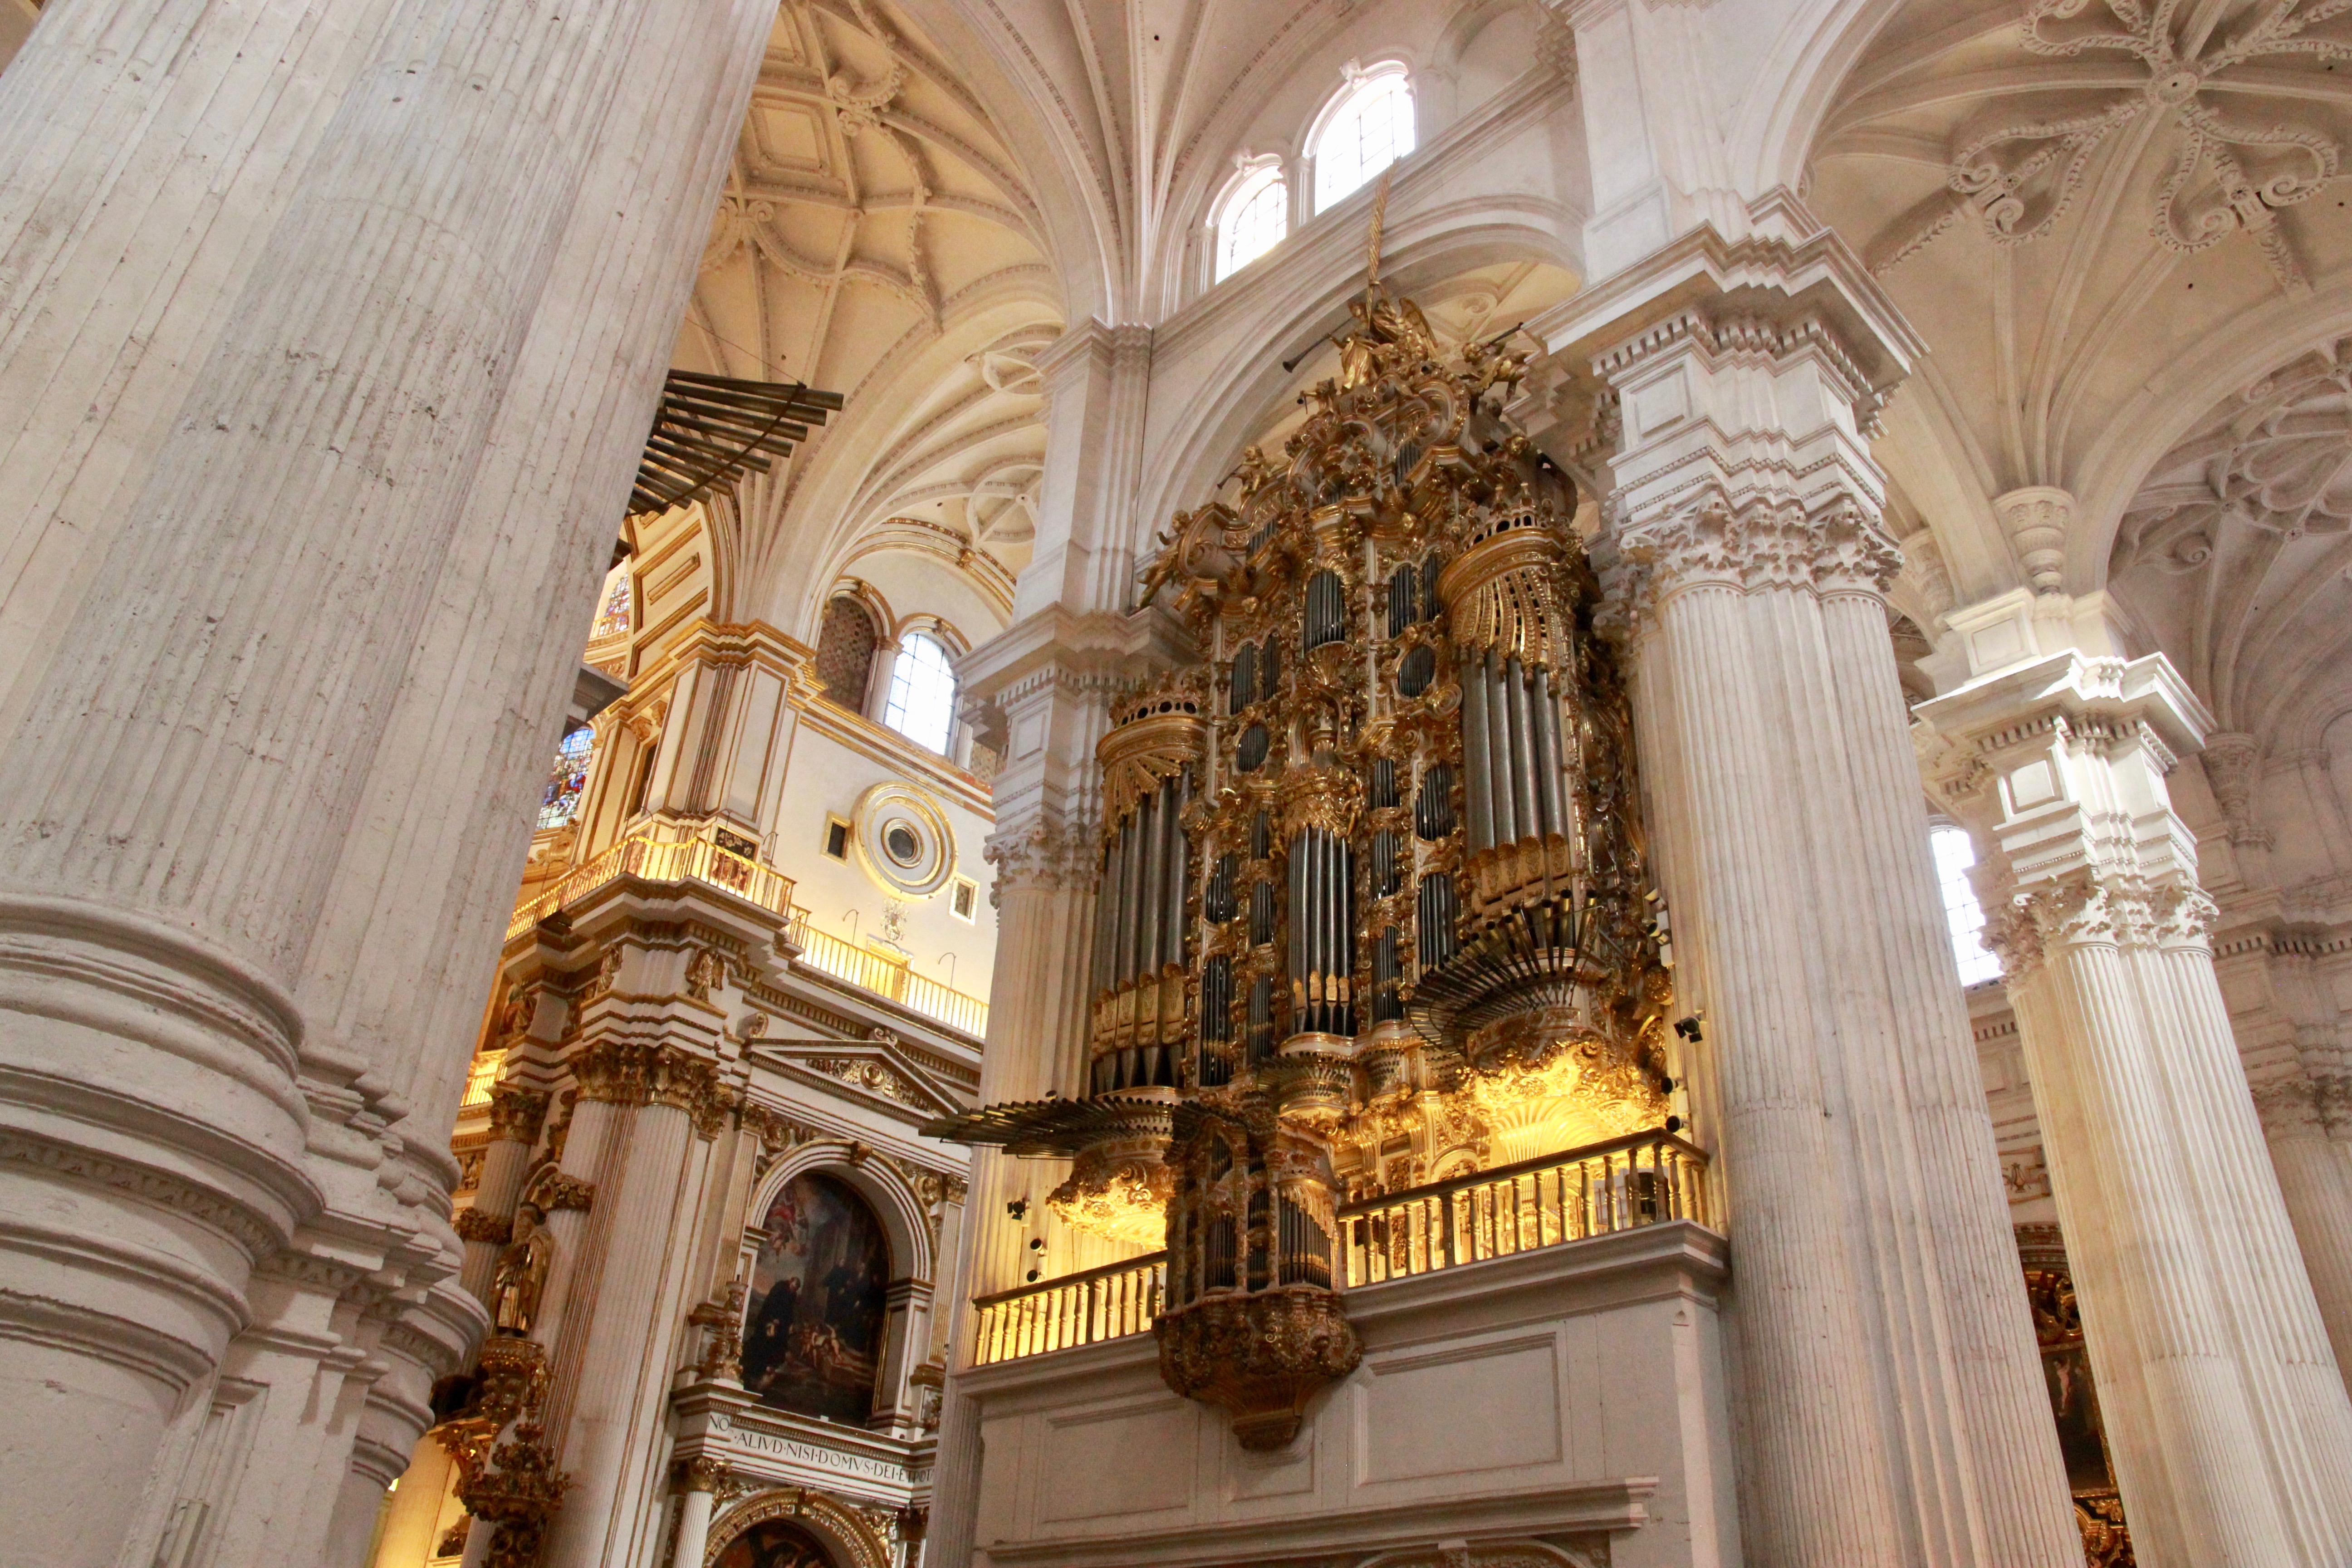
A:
(1369, 128)
(613, 620)
(921, 705)
(569, 777)
(1253, 219)
(1962, 913)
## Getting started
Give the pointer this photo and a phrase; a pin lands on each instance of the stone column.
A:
(1040, 692)
(615, 1352)
(227, 693)
(147, 149)
(1893, 1410)
(2307, 1123)
(697, 1479)
(516, 1115)
(2230, 1425)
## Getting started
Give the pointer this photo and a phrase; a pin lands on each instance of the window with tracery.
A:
(1254, 217)
(561, 803)
(845, 653)
(1369, 128)
(921, 704)
(1962, 914)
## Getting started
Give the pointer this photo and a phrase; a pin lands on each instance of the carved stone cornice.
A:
(517, 1114)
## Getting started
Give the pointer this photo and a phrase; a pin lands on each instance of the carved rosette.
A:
(1260, 1356)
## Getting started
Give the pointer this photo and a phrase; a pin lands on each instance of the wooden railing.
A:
(1621, 1184)
(652, 860)
(1624, 1184)
(887, 976)
(1106, 1303)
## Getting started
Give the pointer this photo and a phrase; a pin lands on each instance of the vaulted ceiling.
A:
(2119, 226)
(2093, 210)
(878, 237)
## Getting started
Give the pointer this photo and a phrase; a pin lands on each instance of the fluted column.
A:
(1887, 1403)
(2230, 1425)
(627, 1287)
(697, 1479)
(147, 149)
(266, 470)
(516, 1117)
(2307, 1123)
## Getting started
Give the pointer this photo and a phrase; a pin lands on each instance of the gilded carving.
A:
(475, 1226)
(521, 1277)
(517, 1114)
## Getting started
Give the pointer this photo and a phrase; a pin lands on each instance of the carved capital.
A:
(2086, 907)
(551, 1190)
(517, 1114)
(1042, 854)
(701, 1473)
(622, 1072)
(1840, 548)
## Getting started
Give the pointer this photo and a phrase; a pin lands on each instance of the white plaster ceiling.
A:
(2236, 551)
(877, 238)
(2119, 227)
(2086, 207)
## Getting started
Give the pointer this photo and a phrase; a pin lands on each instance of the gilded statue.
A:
(521, 1278)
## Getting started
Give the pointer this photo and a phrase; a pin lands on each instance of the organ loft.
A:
(1332, 784)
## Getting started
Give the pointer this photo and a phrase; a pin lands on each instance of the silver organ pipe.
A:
(1478, 764)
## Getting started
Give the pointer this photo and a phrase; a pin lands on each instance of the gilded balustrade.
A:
(1649, 1178)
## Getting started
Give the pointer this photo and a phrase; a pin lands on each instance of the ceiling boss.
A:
(1373, 907)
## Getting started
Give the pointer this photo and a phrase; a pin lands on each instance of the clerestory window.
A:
(921, 704)
(1368, 127)
(1253, 218)
(1962, 914)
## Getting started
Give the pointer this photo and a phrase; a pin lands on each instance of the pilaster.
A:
(2231, 1431)
(1894, 1412)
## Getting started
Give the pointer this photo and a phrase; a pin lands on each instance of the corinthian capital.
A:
(1042, 854)
(1839, 547)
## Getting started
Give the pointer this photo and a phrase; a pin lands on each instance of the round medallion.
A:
(903, 840)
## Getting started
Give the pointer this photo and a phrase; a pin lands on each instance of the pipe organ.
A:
(1373, 895)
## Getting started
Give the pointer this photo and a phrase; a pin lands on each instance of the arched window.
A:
(921, 705)
(1367, 128)
(1962, 913)
(845, 652)
(561, 803)
(1253, 218)
(813, 1333)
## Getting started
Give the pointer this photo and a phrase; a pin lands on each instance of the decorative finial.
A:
(1372, 246)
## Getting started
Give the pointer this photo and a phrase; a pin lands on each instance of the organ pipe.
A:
(1504, 926)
